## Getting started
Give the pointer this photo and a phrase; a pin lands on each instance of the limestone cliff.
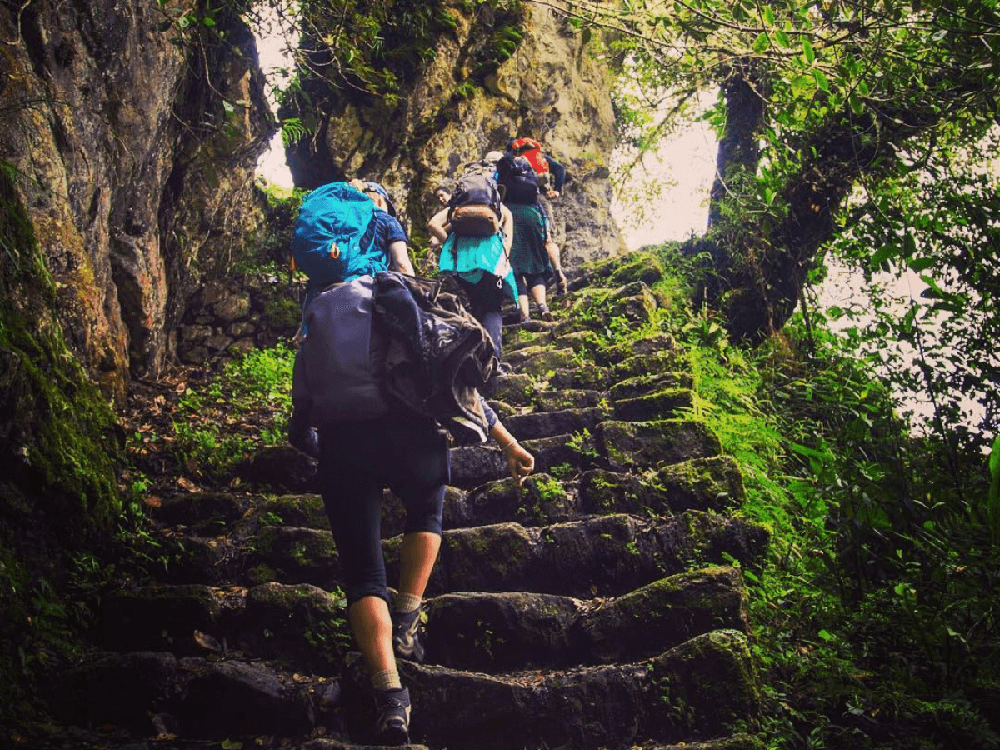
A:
(461, 107)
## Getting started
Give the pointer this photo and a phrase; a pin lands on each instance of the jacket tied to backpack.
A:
(391, 341)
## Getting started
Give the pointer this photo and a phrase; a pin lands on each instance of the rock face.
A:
(130, 131)
(550, 88)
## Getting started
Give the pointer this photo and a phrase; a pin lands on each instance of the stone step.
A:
(612, 444)
(541, 499)
(551, 423)
(509, 631)
(300, 626)
(702, 484)
(154, 694)
(525, 392)
(599, 556)
(303, 628)
(686, 693)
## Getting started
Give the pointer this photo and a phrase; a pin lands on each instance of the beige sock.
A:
(387, 679)
(406, 602)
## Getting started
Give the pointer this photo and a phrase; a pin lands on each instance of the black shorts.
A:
(357, 460)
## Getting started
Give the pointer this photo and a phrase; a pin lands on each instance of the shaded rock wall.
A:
(551, 87)
(132, 140)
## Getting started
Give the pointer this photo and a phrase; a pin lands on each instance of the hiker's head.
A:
(443, 194)
(380, 196)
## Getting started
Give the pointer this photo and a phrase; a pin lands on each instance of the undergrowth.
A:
(870, 623)
(244, 408)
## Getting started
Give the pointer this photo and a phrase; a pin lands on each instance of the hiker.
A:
(478, 252)
(442, 194)
(534, 255)
(551, 174)
(358, 456)
(380, 242)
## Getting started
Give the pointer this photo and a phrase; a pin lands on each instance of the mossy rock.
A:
(642, 445)
(567, 398)
(637, 266)
(656, 363)
(294, 555)
(517, 389)
(613, 352)
(545, 362)
(293, 510)
(699, 484)
(300, 626)
(640, 385)
(665, 403)
(205, 513)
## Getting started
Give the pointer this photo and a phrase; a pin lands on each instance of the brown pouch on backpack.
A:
(474, 221)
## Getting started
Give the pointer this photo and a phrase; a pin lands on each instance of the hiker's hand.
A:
(519, 461)
(560, 282)
(552, 194)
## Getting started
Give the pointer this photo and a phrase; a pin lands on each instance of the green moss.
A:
(59, 500)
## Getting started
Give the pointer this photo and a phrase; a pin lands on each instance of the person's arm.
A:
(507, 226)
(519, 461)
(399, 258)
(438, 226)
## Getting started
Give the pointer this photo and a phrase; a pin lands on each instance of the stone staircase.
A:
(597, 606)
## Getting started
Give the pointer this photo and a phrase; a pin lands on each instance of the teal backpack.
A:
(334, 236)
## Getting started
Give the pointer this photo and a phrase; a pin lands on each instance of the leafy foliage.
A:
(213, 430)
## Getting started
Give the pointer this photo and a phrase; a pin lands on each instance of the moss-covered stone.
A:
(700, 484)
(293, 510)
(60, 448)
(301, 626)
(296, 555)
(641, 445)
(638, 266)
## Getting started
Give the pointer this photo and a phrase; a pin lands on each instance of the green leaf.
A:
(993, 495)
(761, 43)
(920, 264)
(882, 255)
(803, 87)
(768, 15)
(808, 54)
(821, 80)
(782, 39)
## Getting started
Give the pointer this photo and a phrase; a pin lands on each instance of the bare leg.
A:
(372, 628)
(538, 295)
(522, 305)
(417, 556)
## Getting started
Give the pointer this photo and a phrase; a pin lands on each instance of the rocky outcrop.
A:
(601, 605)
(130, 132)
(456, 111)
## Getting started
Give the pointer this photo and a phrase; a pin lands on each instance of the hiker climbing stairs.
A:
(599, 605)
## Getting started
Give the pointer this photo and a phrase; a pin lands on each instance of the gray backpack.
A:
(340, 365)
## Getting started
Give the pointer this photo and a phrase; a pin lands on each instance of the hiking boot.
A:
(392, 725)
(406, 635)
(544, 313)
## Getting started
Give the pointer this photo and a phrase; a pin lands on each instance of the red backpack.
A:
(531, 150)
